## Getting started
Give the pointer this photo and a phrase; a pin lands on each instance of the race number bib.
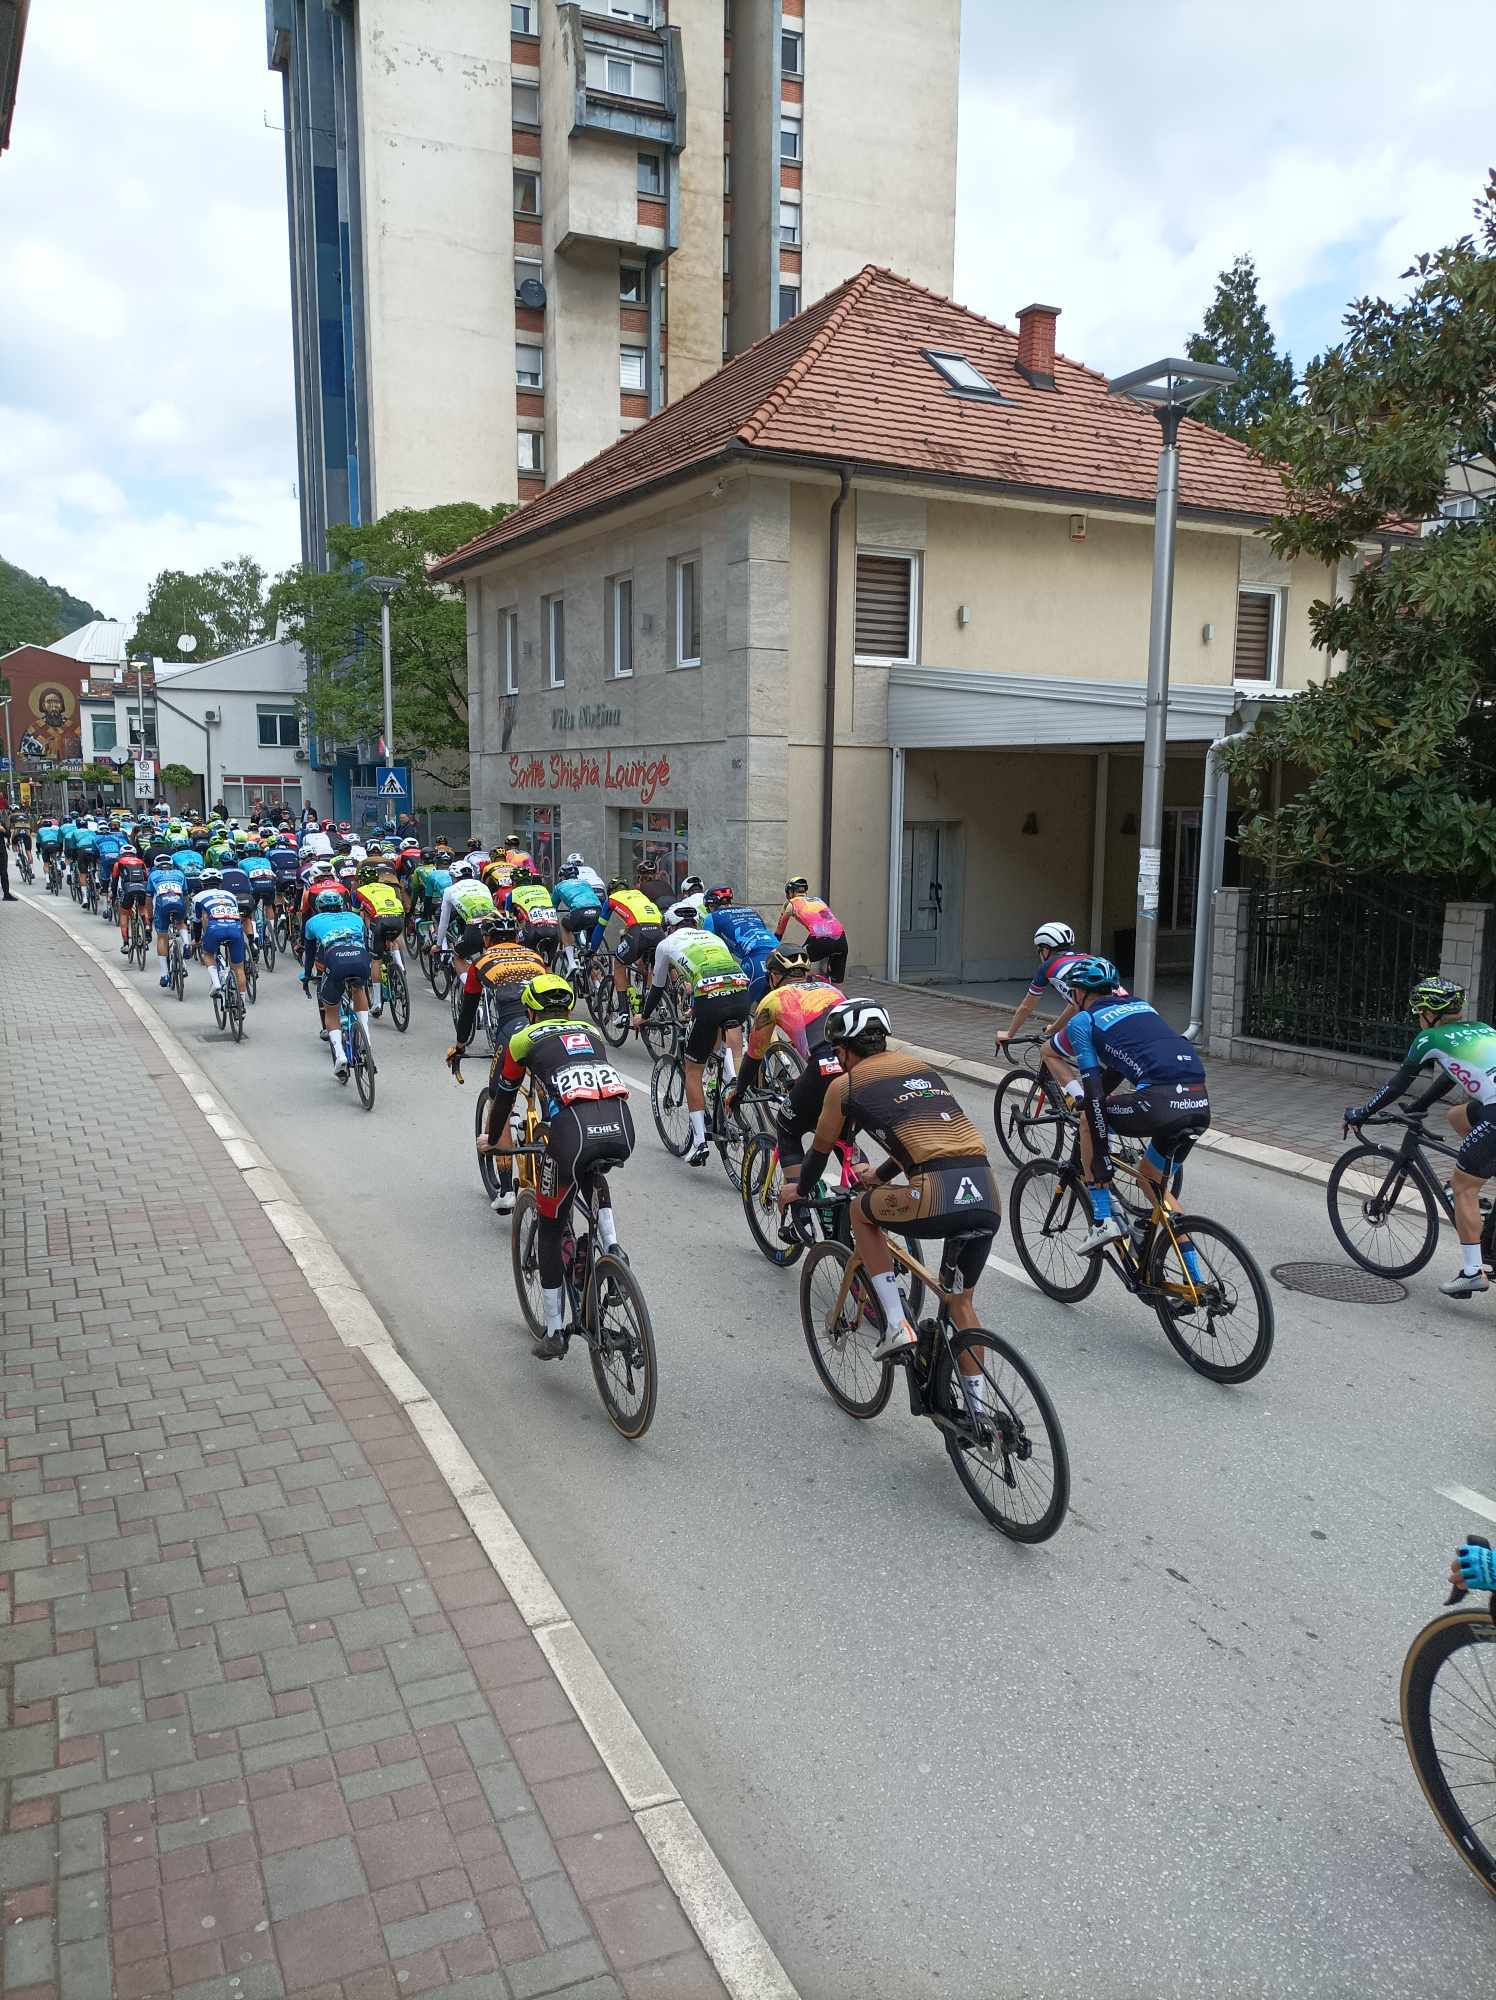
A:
(589, 1081)
(542, 919)
(712, 985)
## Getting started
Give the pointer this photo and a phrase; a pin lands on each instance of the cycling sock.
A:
(1101, 1204)
(555, 1307)
(335, 1038)
(361, 1015)
(698, 1128)
(1192, 1262)
(213, 977)
(729, 1067)
(607, 1233)
(1470, 1262)
(397, 957)
(886, 1285)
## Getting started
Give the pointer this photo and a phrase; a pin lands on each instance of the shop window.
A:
(278, 727)
(659, 841)
(539, 830)
(1258, 618)
(887, 606)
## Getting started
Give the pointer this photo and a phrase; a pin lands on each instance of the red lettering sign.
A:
(578, 771)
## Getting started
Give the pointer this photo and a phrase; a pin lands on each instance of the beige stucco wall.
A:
(581, 357)
(694, 272)
(755, 168)
(440, 326)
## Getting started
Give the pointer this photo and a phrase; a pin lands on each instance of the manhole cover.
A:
(1345, 1282)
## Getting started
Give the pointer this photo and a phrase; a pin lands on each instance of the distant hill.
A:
(34, 612)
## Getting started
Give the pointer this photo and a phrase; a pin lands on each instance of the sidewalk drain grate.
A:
(1343, 1282)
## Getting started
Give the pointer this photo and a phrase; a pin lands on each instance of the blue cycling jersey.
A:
(256, 864)
(168, 882)
(575, 895)
(1130, 1036)
(84, 841)
(237, 882)
(331, 924)
(743, 931)
(188, 858)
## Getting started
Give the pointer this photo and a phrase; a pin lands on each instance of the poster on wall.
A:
(44, 705)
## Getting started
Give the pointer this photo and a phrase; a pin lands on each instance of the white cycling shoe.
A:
(1112, 1230)
(1464, 1286)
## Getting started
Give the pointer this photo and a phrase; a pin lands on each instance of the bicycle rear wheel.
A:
(737, 1129)
(667, 1099)
(234, 1002)
(841, 1342)
(440, 974)
(399, 998)
(761, 1181)
(524, 1255)
(251, 981)
(268, 948)
(1009, 1450)
(1029, 1127)
(1049, 1213)
(1382, 1211)
(361, 1062)
(1220, 1320)
(488, 1171)
(1448, 1706)
(623, 1350)
(282, 933)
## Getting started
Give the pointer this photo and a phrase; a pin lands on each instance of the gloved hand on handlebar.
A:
(454, 1058)
(1477, 1566)
(1353, 1114)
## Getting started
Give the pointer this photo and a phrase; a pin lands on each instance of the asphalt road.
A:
(1158, 1755)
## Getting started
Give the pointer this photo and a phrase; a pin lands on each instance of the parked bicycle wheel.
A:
(623, 1356)
(1217, 1313)
(841, 1342)
(762, 1178)
(1448, 1707)
(1050, 1216)
(361, 1062)
(1028, 1121)
(1382, 1211)
(667, 1099)
(524, 1253)
(399, 998)
(1007, 1445)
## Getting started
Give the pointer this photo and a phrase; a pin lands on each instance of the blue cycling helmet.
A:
(326, 901)
(1093, 975)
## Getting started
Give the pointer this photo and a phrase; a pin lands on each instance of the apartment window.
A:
(726, 256)
(789, 222)
(648, 174)
(727, 93)
(687, 595)
(532, 451)
(150, 729)
(524, 101)
(526, 194)
(553, 628)
(632, 362)
(658, 841)
(620, 633)
(791, 52)
(887, 606)
(1258, 615)
(625, 76)
(522, 17)
(509, 649)
(727, 173)
(631, 284)
(105, 734)
(633, 10)
(789, 302)
(526, 271)
(789, 135)
(278, 727)
(529, 366)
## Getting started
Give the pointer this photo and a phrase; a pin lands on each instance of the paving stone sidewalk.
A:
(1271, 1106)
(274, 1727)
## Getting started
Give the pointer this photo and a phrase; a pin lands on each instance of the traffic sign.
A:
(145, 779)
(389, 783)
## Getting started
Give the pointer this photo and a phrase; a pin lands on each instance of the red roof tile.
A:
(847, 381)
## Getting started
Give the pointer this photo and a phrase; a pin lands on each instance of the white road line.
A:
(732, 1940)
(1472, 1502)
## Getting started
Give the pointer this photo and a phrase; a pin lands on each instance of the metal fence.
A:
(1330, 964)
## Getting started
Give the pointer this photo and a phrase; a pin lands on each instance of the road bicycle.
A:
(361, 1065)
(228, 1001)
(1203, 1283)
(262, 936)
(604, 1306)
(783, 1236)
(1385, 1201)
(54, 876)
(998, 1423)
(437, 966)
(524, 1129)
(176, 962)
(394, 992)
(1448, 1707)
(23, 862)
(1029, 1110)
(139, 939)
(666, 1028)
(728, 1131)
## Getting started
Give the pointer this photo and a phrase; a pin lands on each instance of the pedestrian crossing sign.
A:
(390, 785)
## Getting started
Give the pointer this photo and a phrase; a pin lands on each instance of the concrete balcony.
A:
(613, 91)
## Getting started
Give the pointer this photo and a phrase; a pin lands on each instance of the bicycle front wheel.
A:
(1211, 1299)
(524, 1253)
(1050, 1215)
(236, 1009)
(842, 1341)
(623, 1349)
(1029, 1127)
(1448, 1705)
(762, 1179)
(441, 975)
(488, 1171)
(361, 1061)
(667, 1099)
(399, 999)
(1382, 1211)
(1005, 1440)
(268, 948)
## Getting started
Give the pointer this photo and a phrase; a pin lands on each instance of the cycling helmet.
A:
(517, 839)
(499, 926)
(576, 860)
(568, 871)
(682, 917)
(210, 878)
(718, 899)
(786, 963)
(463, 870)
(692, 886)
(328, 900)
(615, 883)
(524, 877)
(472, 845)
(547, 993)
(369, 871)
(1436, 996)
(496, 852)
(852, 1020)
(1053, 937)
(1093, 975)
(797, 886)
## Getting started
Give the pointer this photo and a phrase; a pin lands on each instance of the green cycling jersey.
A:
(1465, 1051)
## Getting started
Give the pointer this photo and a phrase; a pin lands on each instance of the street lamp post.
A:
(10, 756)
(1169, 388)
(386, 586)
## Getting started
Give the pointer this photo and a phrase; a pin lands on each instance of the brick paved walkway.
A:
(275, 1728)
(1271, 1106)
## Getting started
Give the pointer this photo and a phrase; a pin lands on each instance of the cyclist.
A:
(129, 884)
(795, 1006)
(748, 937)
(585, 874)
(336, 942)
(108, 846)
(1115, 1036)
(691, 895)
(382, 905)
(497, 875)
(505, 967)
(429, 882)
(579, 909)
(637, 930)
(1058, 956)
(20, 835)
(49, 843)
(539, 925)
(239, 886)
(1463, 1054)
(467, 900)
(168, 887)
(718, 987)
(215, 922)
(587, 1128)
(910, 1110)
(518, 855)
(825, 940)
(85, 846)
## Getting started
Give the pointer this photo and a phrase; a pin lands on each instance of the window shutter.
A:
(883, 604)
(1254, 636)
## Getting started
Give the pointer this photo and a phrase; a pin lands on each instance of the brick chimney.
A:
(1036, 345)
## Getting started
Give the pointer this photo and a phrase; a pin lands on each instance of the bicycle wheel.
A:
(1448, 1705)
(1385, 1219)
(268, 948)
(841, 1343)
(441, 974)
(1049, 1213)
(399, 998)
(236, 1010)
(667, 1099)
(361, 1062)
(282, 934)
(659, 1034)
(1028, 1125)
(524, 1253)
(251, 981)
(611, 1025)
(488, 1171)
(1009, 1452)
(623, 1351)
(1218, 1316)
(744, 1124)
(761, 1181)
(782, 1070)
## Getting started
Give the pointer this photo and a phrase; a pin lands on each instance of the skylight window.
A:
(963, 378)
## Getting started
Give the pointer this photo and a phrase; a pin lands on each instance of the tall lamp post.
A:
(10, 756)
(1169, 388)
(386, 586)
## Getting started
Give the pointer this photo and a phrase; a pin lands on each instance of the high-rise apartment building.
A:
(518, 227)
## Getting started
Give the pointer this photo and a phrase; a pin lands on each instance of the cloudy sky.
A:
(145, 389)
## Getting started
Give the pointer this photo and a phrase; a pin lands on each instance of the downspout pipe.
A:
(1212, 851)
(828, 747)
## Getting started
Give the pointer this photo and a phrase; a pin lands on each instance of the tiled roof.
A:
(847, 382)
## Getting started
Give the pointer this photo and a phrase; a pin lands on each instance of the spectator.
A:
(6, 897)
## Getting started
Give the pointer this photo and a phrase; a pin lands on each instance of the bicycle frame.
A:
(1409, 1153)
(1128, 1258)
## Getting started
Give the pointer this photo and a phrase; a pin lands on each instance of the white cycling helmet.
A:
(463, 870)
(1053, 937)
(844, 1023)
(576, 861)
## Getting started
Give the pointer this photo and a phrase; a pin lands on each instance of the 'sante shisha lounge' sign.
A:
(578, 771)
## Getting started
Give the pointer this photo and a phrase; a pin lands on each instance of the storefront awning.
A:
(957, 708)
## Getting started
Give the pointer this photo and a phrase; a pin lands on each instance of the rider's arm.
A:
(441, 922)
(658, 979)
(1393, 1088)
(828, 1130)
(1440, 1087)
(308, 955)
(1082, 1041)
(784, 917)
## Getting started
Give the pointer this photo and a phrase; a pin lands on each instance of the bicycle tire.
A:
(735, 1133)
(612, 1026)
(1047, 1204)
(759, 1186)
(1200, 1230)
(399, 998)
(615, 1286)
(282, 934)
(251, 982)
(782, 1070)
(860, 1328)
(1019, 1098)
(525, 1260)
(667, 1100)
(236, 1010)
(361, 1062)
(1435, 1647)
(661, 1034)
(268, 948)
(1396, 1175)
(1016, 1407)
(488, 1171)
(441, 975)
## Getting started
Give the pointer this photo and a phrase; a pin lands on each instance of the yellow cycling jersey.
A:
(633, 906)
(531, 896)
(380, 899)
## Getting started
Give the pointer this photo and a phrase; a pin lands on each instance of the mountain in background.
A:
(34, 612)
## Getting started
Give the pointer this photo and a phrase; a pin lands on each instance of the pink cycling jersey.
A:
(819, 918)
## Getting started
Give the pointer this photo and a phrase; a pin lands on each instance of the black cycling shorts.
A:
(710, 1014)
(128, 892)
(579, 917)
(345, 962)
(830, 952)
(638, 944)
(1477, 1154)
(947, 1198)
(470, 944)
(581, 1141)
(1171, 1115)
(391, 929)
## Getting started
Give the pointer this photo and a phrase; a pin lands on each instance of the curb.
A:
(732, 1940)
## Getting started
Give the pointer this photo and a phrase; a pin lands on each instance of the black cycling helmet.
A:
(1436, 996)
(718, 899)
(568, 872)
(797, 886)
(615, 883)
(500, 926)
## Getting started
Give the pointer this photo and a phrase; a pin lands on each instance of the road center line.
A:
(1472, 1502)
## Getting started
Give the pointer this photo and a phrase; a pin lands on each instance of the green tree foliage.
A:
(175, 777)
(1400, 744)
(336, 621)
(223, 608)
(34, 612)
(1236, 331)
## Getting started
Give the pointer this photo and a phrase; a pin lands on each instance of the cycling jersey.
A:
(188, 860)
(569, 1062)
(468, 901)
(592, 879)
(1463, 1051)
(505, 968)
(167, 881)
(744, 930)
(129, 878)
(633, 908)
(429, 883)
(256, 864)
(1053, 971)
(702, 962)
(908, 1108)
(531, 896)
(1130, 1036)
(238, 884)
(797, 1009)
(326, 925)
(214, 906)
(818, 918)
(499, 877)
(576, 895)
(380, 899)
(48, 837)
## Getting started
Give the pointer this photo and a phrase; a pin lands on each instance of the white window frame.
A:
(529, 347)
(797, 36)
(915, 560)
(271, 711)
(619, 626)
(107, 722)
(627, 357)
(655, 193)
(787, 210)
(552, 616)
(527, 8)
(678, 567)
(509, 647)
(1274, 638)
(534, 91)
(790, 120)
(529, 174)
(537, 448)
(639, 297)
(641, 11)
